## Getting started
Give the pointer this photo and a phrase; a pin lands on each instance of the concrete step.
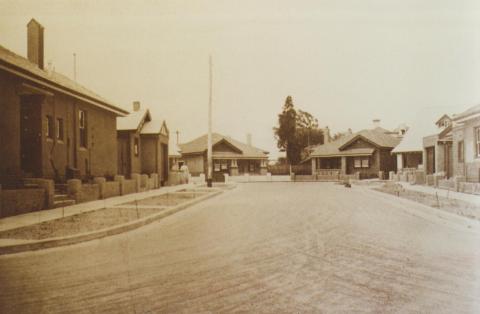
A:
(63, 203)
(31, 185)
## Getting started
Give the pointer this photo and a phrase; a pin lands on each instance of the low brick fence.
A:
(21, 201)
(179, 177)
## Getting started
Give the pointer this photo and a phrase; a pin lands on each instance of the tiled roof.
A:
(340, 146)
(152, 127)
(470, 111)
(133, 120)
(22, 65)
(199, 145)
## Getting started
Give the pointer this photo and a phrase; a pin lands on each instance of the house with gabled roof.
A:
(364, 153)
(52, 126)
(142, 144)
(437, 148)
(229, 157)
(466, 144)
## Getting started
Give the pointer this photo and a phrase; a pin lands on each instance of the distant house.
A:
(437, 148)
(366, 152)
(175, 160)
(229, 156)
(142, 144)
(466, 144)
(51, 126)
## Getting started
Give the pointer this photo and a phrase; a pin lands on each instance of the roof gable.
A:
(225, 146)
(358, 141)
(134, 121)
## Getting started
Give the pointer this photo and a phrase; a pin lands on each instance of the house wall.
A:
(470, 168)
(9, 127)
(151, 159)
(100, 156)
(195, 164)
(135, 160)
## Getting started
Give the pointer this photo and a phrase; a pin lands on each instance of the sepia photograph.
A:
(227, 156)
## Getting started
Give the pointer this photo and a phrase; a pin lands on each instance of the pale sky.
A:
(346, 62)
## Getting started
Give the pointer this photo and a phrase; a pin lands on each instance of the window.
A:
(217, 166)
(361, 162)
(461, 152)
(224, 165)
(135, 146)
(50, 125)
(59, 129)
(82, 125)
(477, 141)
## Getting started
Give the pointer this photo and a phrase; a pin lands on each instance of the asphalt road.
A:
(263, 248)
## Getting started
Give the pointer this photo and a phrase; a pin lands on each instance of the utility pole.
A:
(74, 66)
(209, 136)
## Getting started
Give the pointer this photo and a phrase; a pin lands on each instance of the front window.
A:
(49, 127)
(361, 162)
(461, 152)
(135, 147)
(82, 125)
(477, 141)
(60, 131)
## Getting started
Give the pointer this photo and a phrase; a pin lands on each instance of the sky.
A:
(346, 62)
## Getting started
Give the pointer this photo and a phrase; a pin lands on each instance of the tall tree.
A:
(285, 132)
(296, 130)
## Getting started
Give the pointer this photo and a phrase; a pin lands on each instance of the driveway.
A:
(263, 247)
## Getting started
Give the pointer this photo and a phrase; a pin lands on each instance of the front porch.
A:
(238, 167)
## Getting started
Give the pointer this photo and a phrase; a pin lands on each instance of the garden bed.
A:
(450, 205)
(79, 223)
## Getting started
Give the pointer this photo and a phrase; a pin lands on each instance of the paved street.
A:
(273, 248)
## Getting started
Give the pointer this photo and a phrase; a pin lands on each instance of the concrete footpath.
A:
(50, 214)
(470, 198)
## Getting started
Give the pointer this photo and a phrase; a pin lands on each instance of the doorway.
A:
(31, 135)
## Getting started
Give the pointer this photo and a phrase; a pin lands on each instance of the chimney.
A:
(136, 106)
(35, 42)
(376, 123)
(249, 139)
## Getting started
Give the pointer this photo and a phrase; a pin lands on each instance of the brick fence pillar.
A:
(120, 180)
(101, 181)
(137, 178)
(74, 189)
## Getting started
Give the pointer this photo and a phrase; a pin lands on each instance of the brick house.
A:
(437, 149)
(229, 156)
(51, 126)
(142, 144)
(466, 144)
(366, 152)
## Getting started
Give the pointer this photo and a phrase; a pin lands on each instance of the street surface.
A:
(263, 248)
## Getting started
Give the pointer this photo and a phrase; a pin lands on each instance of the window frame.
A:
(477, 141)
(136, 146)
(60, 130)
(82, 128)
(361, 162)
(50, 127)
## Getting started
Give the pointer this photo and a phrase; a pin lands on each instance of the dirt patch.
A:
(80, 223)
(451, 205)
(168, 199)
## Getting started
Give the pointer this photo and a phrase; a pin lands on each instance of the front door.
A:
(31, 135)
(448, 160)
(430, 160)
(123, 157)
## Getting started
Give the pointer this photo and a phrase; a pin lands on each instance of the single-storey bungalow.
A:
(51, 126)
(366, 152)
(142, 144)
(229, 156)
(437, 149)
(466, 144)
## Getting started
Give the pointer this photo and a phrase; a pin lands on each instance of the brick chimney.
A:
(35, 43)
(249, 139)
(376, 123)
(136, 106)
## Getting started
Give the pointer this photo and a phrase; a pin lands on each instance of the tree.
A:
(285, 132)
(296, 130)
